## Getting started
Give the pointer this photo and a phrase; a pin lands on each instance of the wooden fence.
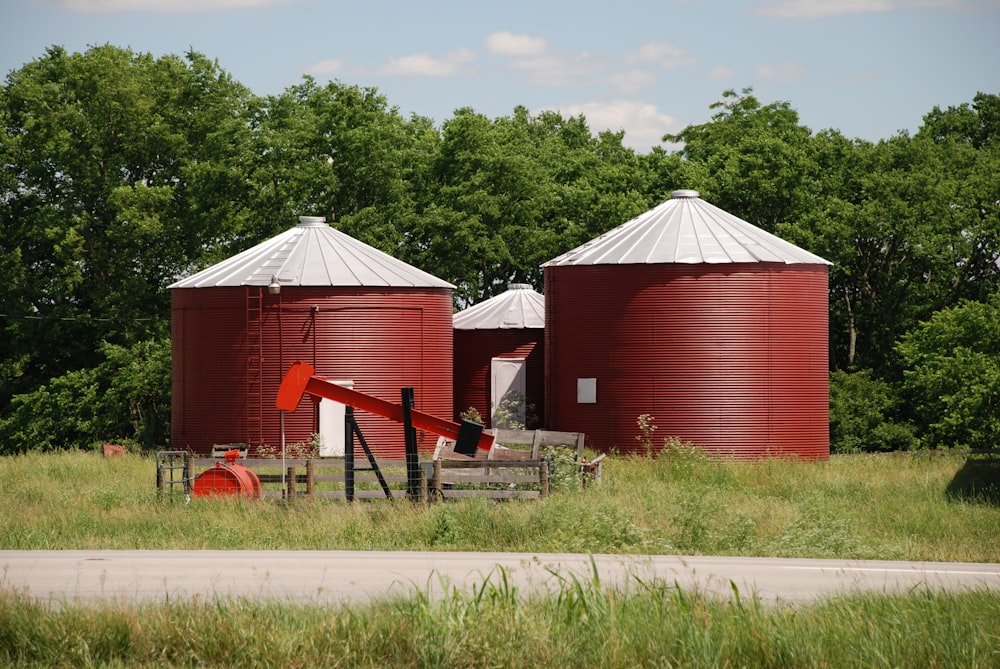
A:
(324, 478)
(531, 447)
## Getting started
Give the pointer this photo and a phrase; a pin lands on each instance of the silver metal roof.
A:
(518, 308)
(685, 229)
(312, 254)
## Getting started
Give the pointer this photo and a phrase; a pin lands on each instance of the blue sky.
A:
(868, 68)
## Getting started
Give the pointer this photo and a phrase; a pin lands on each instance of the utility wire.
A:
(79, 319)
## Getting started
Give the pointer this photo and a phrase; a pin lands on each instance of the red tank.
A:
(227, 478)
(716, 329)
(499, 348)
(311, 294)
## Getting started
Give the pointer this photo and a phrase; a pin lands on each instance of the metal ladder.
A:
(172, 472)
(254, 405)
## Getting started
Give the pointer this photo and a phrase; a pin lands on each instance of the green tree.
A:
(517, 191)
(340, 152)
(915, 232)
(829, 229)
(910, 223)
(969, 136)
(976, 123)
(756, 159)
(890, 278)
(866, 415)
(117, 175)
(952, 375)
(126, 398)
(485, 175)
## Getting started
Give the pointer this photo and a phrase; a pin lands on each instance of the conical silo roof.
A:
(518, 308)
(685, 229)
(312, 254)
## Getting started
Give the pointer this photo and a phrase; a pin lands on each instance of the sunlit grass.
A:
(887, 506)
(915, 507)
(583, 624)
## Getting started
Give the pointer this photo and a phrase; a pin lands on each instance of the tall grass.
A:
(916, 507)
(913, 506)
(582, 625)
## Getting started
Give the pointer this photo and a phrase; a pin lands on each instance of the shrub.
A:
(472, 413)
(125, 399)
(863, 415)
(952, 375)
(514, 413)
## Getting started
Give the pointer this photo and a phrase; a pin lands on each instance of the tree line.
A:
(122, 172)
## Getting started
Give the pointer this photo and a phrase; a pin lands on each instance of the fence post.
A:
(310, 473)
(410, 436)
(424, 492)
(290, 480)
(349, 429)
(188, 473)
(543, 478)
(437, 477)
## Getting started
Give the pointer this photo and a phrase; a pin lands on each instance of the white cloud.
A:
(629, 83)
(644, 124)
(560, 70)
(161, 6)
(821, 9)
(329, 66)
(721, 72)
(508, 44)
(785, 72)
(425, 65)
(816, 9)
(667, 56)
(530, 54)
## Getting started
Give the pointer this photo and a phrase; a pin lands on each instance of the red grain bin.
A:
(715, 328)
(312, 293)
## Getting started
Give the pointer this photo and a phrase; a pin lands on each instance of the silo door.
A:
(507, 393)
(331, 425)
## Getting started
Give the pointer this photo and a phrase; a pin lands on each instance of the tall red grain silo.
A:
(500, 358)
(312, 293)
(714, 327)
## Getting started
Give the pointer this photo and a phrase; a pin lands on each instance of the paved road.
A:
(356, 576)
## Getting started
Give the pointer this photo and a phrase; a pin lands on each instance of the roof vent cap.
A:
(311, 221)
(678, 194)
(518, 286)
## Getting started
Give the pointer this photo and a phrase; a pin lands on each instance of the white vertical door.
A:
(507, 392)
(331, 425)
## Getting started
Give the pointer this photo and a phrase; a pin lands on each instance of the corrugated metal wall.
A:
(232, 346)
(733, 358)
(474, 349)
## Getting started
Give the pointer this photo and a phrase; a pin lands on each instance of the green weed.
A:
(910, 506)
(583, 623)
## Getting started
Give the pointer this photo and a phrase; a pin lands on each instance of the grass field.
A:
(911, 507)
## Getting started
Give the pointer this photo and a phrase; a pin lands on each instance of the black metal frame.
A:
(468, 439)
(351, 430)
